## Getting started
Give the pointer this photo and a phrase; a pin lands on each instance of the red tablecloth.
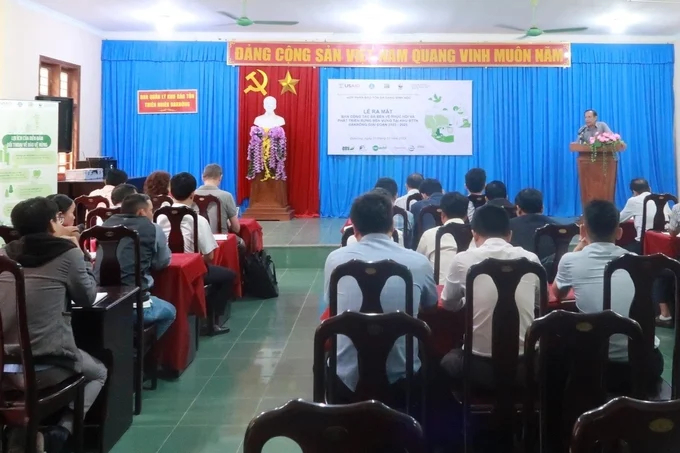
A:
(251, 233)
(226, 255)
(181, 284)
(658, 242)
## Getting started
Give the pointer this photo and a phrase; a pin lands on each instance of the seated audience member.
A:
(136, 214)
(390, 186)
(371, 216)
(113, 178)
(381, 191)
(491, 234)
(56, 273)
(583, 271)
(431, 190)
(157, 184)
(475, 179)
(66, 214)
(529, 218)
(412, 187)
(183, 189)
(497, 195)
(212, 178)
(633, 210)
(453, 208)
(118, 195)
(666, 288)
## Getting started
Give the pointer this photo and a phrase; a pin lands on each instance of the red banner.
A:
(398, 55)
(167, 101)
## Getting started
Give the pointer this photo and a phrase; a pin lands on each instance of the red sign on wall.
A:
(167, 101)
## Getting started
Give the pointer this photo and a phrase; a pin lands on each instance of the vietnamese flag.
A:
(297, 94)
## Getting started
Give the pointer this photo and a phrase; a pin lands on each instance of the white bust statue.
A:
(269, 119)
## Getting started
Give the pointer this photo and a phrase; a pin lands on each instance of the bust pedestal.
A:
(268, 200)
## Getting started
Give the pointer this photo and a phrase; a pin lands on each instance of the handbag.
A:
(259, 276)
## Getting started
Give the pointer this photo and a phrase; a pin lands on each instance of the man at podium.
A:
(592, 128)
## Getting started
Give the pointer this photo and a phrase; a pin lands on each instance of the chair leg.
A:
(151, 368)
(31, 434)
(79, 420)
(139, 379)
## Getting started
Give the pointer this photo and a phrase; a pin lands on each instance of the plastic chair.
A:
(100, 213)
(561, 236)
(175, 216)
(203, 202)
(158, 201)
(659, 222)
(412, 199)
(86, 203)
(462, 234)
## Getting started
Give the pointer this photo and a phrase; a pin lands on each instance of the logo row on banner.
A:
(398, 55)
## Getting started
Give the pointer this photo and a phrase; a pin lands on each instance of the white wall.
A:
(29, 31)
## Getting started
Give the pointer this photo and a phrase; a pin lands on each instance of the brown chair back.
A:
(477, 200)
(643, 271)
(9, 234)
(158, 201)
(462, 234)
(659, 222)
(25, 353)
(371, 277)
(374, 336)
(642, 426)
(203, 202)
(506, 276)
(101, 213)
(397, 211)
(368, 426)
(430, 210)
(349, 231)
(561, 236)
(412, 199)
(175, 216)
(86, 203)
(573, 357)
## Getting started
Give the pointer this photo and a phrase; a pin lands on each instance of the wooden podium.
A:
(268, 200)
(595, 182)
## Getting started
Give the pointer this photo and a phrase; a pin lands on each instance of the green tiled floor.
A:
(263, 362)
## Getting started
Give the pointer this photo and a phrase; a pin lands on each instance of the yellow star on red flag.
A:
(288, 83)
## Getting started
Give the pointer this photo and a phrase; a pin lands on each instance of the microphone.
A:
(580, 132)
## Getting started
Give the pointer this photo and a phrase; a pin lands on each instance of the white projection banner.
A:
(400, 117)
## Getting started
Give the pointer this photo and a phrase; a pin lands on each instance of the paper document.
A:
(97, 299)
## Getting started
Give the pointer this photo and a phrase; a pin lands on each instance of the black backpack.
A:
(259, 276)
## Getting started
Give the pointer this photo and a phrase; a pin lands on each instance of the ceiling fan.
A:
(535, 31)
(245, 21)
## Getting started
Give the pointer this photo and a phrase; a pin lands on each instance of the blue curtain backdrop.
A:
(523, 122)
(175, 142)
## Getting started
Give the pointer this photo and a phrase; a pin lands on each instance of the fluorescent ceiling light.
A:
(164, 15)
(620, 21)
(373, 18)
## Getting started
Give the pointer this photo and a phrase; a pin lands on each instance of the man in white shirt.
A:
(491, 234)
(412, 187)
(633, 210)
(182, 189)
(475, 181)
(583, 271)
(453, 207)
(113, 178)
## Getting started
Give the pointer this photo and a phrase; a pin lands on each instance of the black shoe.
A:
(217, 330)
(56, 438)
(665, 323)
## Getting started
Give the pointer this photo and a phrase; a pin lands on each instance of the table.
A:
(101, 330)
(226, 255)
(251, 233)
(661, 242)
(181, 284)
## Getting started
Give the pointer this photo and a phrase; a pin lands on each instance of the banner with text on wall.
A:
(399, 117)
(398, 55)
(28, 156)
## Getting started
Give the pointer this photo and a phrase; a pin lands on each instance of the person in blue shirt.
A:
(432, 193)
(371, 215)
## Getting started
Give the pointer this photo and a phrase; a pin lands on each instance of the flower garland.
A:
(605, 143)
(267, 153)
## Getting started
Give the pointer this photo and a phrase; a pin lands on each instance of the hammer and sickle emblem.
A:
(257, 86)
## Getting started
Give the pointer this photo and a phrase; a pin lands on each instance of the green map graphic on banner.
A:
(28, 152)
